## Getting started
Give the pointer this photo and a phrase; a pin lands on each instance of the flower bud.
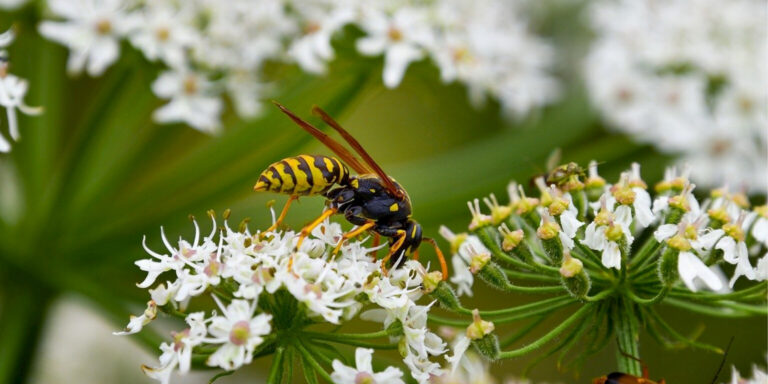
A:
(511, 239)
(614, 232)
(484, 340)
(488, 347)
(446, 296)
(431, 280)
(624, 195)
(719, 217)
(494, 276)
(548, 230)
(478, 262)
(574, 278)
(499, 213)
(558, 206)
(395, 329)
(668, 273)
(479, 327)
(734, 231)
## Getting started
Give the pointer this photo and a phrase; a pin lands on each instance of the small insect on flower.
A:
(371, 200)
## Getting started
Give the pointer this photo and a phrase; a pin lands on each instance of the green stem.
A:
(704, 296)
(276, 371)
(524, 308)
(650, 301)
(346, 336)
(520, 332)
(707, 310)
(490, 242)
(649, 248)
(547, 289)
(313, 363)
(529, 276)
(668, 328)
(627, 337)
(22, 312)
(549, 336)
(600, 296)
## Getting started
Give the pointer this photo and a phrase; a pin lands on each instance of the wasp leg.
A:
(376, 242)
(282, 214)
(443, 264)
(308, 229)
(393, 249)
(352, 234)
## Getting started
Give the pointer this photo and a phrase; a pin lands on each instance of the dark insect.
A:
(564, 173)
(371, 200)
(625, 378)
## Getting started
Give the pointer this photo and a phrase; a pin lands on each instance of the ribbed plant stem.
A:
(627, 337)
(22, 315)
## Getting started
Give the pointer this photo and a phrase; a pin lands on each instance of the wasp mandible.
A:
(371, 200)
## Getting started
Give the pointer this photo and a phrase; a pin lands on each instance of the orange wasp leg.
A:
(282, 213)
(352, 234)
(308, 229)
(392, 250)
(376, 241)
(443, 264)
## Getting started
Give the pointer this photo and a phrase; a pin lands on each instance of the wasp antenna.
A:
(722, 362)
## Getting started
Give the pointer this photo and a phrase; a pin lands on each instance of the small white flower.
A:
(138, 322)
(179, 353)
(401, 37)
(363, 371)
(162, 32)
(91, 32)
(193, 100)
(239, 331)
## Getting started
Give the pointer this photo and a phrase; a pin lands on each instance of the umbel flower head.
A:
(263, 287)
(217, 48)
(612, 251)
(688, 77)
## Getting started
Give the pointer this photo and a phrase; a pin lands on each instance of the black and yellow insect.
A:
(371, 199)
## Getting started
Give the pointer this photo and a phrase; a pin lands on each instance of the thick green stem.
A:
(625, 327)
(22, 312)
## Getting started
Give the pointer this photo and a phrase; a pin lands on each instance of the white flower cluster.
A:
(758, 376)
(690, 77)
(216, 47)
(247, 269)
(623, 210)
(12, 92)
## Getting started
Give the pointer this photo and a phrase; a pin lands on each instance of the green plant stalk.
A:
(549, 336)
(313, 363)
(627, 337)
(276, 372)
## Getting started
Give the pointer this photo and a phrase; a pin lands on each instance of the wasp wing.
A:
(388, 182)
(329, 142)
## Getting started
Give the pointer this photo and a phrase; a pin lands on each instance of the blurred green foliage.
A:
(94, 174)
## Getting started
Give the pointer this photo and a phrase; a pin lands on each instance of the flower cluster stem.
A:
(625, 327)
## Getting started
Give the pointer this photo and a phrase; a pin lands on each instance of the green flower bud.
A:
(431, 280)
(478, 262)
(679, 242)
(574, 278)
(624, 195)
(558, 206)
(548, 230)
(511, 239)
(479, 327)
(395, 329)
(488, 346)
(494, 276)
(446, 296)
(735, 231)
(668, 273)
(614, 233)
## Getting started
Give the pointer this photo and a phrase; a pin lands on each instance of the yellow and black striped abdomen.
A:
(303, 175)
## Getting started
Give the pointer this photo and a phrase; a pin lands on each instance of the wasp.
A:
(625, 378)
(371, 200)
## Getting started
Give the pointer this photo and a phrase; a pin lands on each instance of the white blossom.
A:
(193, 100)
(239, 331)
(363, 371)
(91, 30)
(654, 70)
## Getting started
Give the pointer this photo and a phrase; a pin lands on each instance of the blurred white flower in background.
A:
(691, 78)
(486, 46)
(12, 92)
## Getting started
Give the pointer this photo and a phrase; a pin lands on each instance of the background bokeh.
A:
(94, 174)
